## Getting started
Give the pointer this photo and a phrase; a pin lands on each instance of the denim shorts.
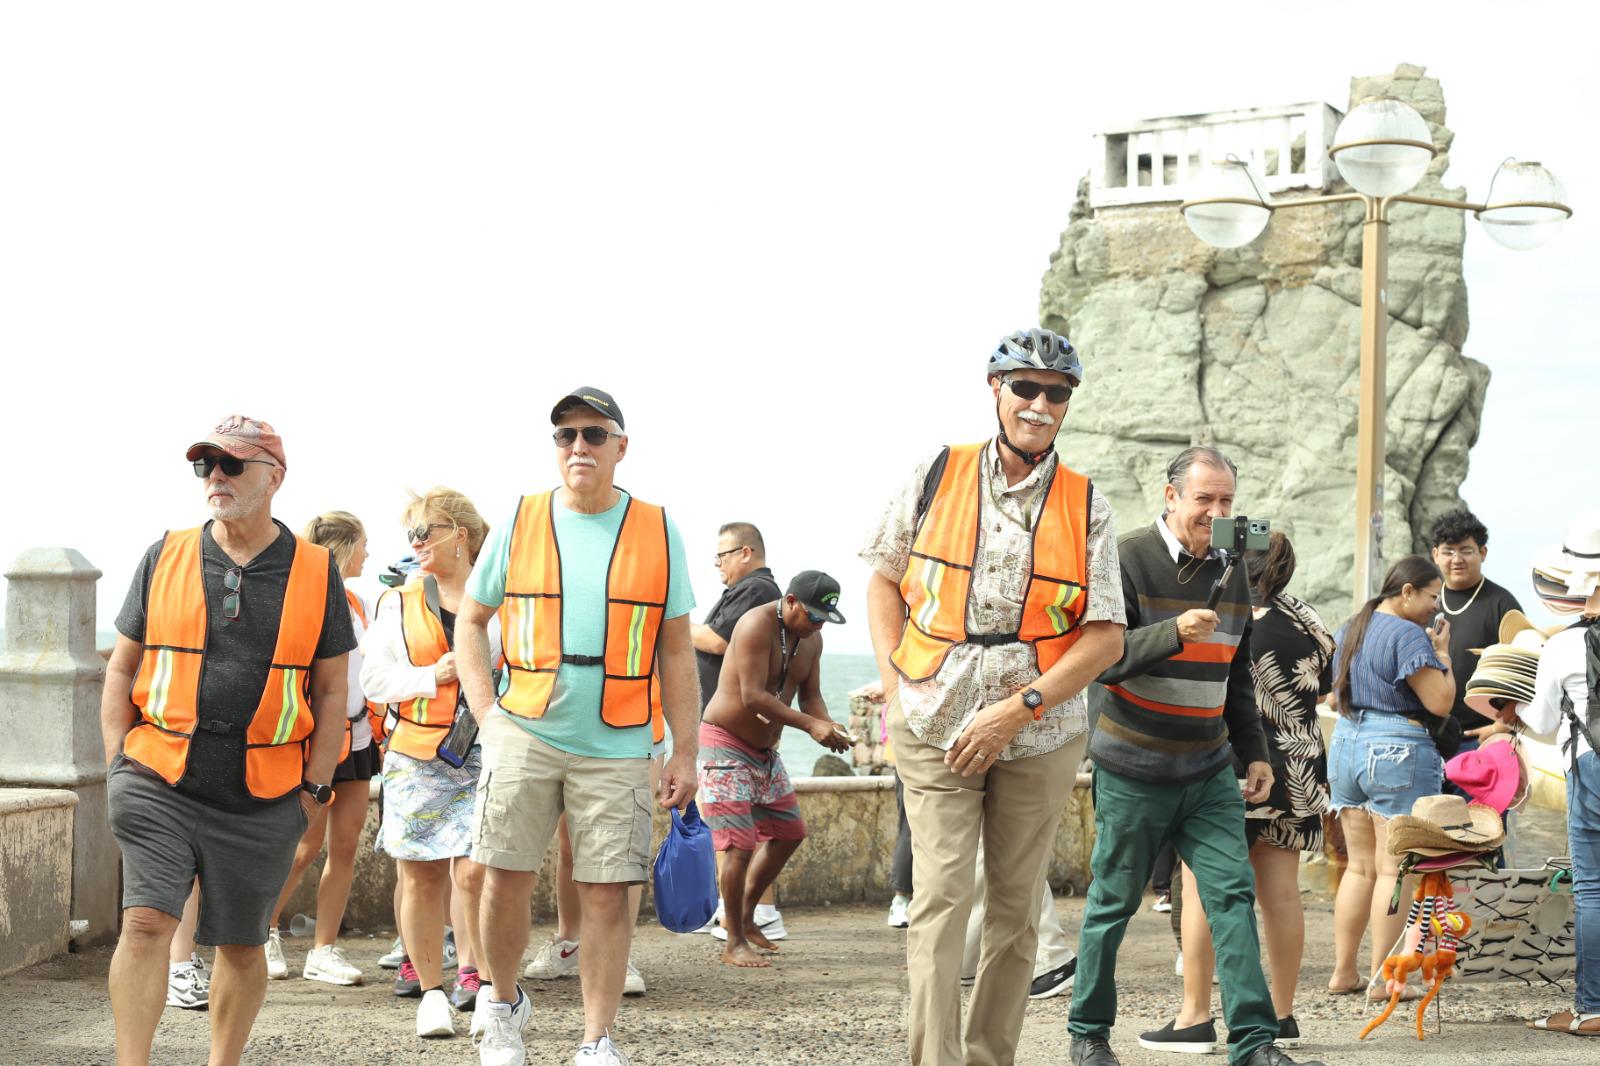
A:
(1382, 763)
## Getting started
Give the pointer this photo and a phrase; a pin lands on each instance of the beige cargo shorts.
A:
(527, 785)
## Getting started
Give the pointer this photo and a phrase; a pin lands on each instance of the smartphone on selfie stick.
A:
(1233, 537)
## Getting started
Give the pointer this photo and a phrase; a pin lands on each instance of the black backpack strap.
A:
(1587, 724)
(930, 484)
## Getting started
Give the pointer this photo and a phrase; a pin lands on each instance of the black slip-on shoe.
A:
(1190, 1040)
(1092, 1051)
(1270, 1055)
(1055, 982)
(1288, 1032)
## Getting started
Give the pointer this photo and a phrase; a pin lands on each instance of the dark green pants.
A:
(1204, 820)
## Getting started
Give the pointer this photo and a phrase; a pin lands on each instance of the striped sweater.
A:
(1169, 711)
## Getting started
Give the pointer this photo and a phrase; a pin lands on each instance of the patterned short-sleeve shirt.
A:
(973, 677)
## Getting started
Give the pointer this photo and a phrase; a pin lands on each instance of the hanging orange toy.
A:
(1434, 919)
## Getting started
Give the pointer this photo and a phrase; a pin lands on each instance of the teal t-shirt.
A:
(572, 722)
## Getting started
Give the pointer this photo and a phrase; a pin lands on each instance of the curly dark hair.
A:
(1458, 525)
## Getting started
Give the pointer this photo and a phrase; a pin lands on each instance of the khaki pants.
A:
(1015, 806)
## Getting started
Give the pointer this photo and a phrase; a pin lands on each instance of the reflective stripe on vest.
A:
(166, 688)
(421, 723)
(636, 598)
(938, 581)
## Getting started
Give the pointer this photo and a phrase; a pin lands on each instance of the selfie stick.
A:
(1220, 584)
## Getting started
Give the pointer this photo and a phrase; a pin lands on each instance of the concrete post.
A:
(50, 682)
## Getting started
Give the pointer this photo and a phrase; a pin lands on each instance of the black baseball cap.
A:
(598, 400)
(817, 592)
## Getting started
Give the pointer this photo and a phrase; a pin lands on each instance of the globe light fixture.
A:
(1382, 147)
(1228, 209)
(1525, 207)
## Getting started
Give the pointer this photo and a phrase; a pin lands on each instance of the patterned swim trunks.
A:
(745, 793)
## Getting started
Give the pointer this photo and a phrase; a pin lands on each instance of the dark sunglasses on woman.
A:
(1030, 390)
(593, 436)
(230, 466)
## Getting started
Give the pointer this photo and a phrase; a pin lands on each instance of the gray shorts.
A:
(167, 839)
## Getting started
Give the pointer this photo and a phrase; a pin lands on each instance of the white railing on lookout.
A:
(1158, 160)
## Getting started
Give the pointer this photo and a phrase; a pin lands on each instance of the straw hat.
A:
(1525, 778)
(1441, 825)
(1506, 671)
(1491, 774)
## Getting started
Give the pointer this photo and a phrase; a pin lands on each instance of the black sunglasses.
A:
(231, 466)
(1030, 390)
(814, 618)
(593, 436)
(233, 581)
(421, 534)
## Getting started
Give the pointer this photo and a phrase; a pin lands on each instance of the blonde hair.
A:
(339, 532)
(451, 505)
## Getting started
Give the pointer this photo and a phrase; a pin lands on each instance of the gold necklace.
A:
(1199, 562)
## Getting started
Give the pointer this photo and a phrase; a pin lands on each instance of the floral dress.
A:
(1291, 659)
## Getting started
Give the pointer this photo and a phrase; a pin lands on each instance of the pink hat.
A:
(1491, 775)
(242, 438)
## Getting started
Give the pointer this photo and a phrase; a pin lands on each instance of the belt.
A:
(584, 660)
(993, 640)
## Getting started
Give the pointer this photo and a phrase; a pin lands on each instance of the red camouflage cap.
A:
(242, 438)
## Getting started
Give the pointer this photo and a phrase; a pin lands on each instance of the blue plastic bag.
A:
(685, 881)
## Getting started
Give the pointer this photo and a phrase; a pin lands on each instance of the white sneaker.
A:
(772, 928)
(187, 987)
(277, 969)
(558, 958)
(499, 1034)
(600, 1053)
(1177, 968)
(397, 955)
(633, 983)
(434, 1016)
(328, 964)
(899, 913)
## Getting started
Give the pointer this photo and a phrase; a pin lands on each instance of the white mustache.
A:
(580, 460)
(1034, 418)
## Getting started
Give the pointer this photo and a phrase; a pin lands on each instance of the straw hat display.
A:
(1446, 825)
(1507, 670)
(1565, 574)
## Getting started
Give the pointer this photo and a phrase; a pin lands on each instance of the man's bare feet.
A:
(742, 955)
(753, 934)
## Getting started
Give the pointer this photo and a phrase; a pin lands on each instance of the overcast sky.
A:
(785, 237)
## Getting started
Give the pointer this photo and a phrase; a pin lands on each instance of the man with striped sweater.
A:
(1177, 707)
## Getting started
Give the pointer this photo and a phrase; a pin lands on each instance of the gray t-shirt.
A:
(238, 655)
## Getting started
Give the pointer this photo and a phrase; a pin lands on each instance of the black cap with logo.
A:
(597, 400)
(817, 592)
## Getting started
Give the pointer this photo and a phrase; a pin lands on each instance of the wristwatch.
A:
(1034, 702)
(323, 794)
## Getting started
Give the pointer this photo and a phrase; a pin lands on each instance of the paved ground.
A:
(836, 995)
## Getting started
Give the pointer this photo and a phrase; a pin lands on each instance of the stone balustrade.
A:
(35, 874)
(1159, 160)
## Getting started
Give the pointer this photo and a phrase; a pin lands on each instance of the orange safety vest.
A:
(166, 688)
(937, 583)
(421, 723)
(636, 604)
(375, 711)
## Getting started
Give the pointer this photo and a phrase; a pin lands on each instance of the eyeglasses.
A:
(730, 551)
(422, 534)
(593, 436)
(1458, 553)
(231, 466)
(233, 581)
(1023, 389)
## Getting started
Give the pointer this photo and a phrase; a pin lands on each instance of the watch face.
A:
(1031, 698)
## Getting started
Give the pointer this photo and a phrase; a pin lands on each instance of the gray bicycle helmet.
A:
(1036, 349)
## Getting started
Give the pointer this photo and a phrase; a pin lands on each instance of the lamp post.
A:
(1383, 149)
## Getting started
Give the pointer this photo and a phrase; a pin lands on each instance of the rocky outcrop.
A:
(1257, 350)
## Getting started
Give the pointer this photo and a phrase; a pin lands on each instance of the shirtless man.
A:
(745, 794)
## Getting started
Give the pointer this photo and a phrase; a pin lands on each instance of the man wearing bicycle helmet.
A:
(995, 599)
